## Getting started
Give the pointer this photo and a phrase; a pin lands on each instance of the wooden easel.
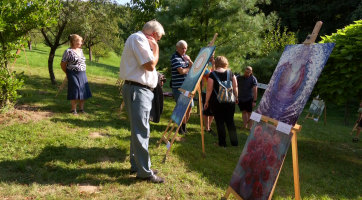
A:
(62, 85)
(26, 58)
(166, 140)
(296, 129)
(312, 117)
(190, 94)
(120, 83)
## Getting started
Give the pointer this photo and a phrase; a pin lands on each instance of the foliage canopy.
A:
(301, 16)
(17, 18)
(238, 24)
(340, 81)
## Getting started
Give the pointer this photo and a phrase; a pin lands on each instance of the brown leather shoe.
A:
(155, 171)
(153, 179)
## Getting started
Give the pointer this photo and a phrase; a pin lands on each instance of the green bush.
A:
(263, 68)
(10, 83)
(274, 42)
(340, 81)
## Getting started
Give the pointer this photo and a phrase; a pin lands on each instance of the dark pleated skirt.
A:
(78, 87)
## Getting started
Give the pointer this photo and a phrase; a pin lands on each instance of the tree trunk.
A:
(53, 48)
(50, 64)
(90, 53)
(29, 45)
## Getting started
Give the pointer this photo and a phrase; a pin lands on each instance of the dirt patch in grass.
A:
(180, 139)
(106, 159)
(24, 114)
(86, 187)
(98, 135)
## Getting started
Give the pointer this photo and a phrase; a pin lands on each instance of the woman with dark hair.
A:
(73, 65)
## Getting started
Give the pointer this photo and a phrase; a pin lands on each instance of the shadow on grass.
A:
(105, 96)
(39, 51)
(113, 69)
(64, 165)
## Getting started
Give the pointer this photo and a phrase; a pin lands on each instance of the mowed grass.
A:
(47, 153)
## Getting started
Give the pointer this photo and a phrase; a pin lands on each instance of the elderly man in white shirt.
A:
(138, 69)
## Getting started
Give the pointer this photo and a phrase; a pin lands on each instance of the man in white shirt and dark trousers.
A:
(138, 69)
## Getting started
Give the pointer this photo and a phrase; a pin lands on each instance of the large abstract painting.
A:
(179, 111)
(293, 81)
(260, 162)
(316, 107)
(197, 69)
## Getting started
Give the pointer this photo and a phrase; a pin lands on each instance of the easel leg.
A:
(173, 139)
(164, 133)
(201, 121)
(276, 180)
(354, 128)
(27, 60)
(295, 166)
(17, 53)
(230, 190)
(306, 117)
(317, 119)
(227, 193)
(168, 136)
(121, 108)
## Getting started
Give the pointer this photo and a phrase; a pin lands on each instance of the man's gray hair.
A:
(181, 42)
(154, 26)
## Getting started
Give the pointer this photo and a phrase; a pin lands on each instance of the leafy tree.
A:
(274, 42)
(17, 18)
(340, 81)
(142, 12)
(70, 20)
(125, 23)
(101, 50)
(301, 16)
(357, 14)
(35, 37)
(238, 24)
(264, 67)
(100, 25)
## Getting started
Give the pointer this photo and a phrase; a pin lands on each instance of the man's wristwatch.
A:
(254, 101)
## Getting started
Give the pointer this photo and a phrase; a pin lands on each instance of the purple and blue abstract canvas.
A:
(260, 162)
(179, 111)
(293, 81)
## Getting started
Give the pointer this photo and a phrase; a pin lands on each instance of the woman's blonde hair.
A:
(221, 61)
(74, 38)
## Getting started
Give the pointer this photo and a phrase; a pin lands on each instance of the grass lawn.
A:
(47, 153)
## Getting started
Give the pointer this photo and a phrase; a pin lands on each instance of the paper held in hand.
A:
(283, 127)
(255, 116)
(187, 93)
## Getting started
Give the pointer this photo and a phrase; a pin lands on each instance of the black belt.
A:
(137, 84)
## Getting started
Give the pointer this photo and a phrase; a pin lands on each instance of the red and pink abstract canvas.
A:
(260, 162)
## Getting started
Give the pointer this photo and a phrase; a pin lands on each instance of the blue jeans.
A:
(138, 103)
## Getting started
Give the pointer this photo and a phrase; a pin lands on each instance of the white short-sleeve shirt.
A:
(136, 52)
